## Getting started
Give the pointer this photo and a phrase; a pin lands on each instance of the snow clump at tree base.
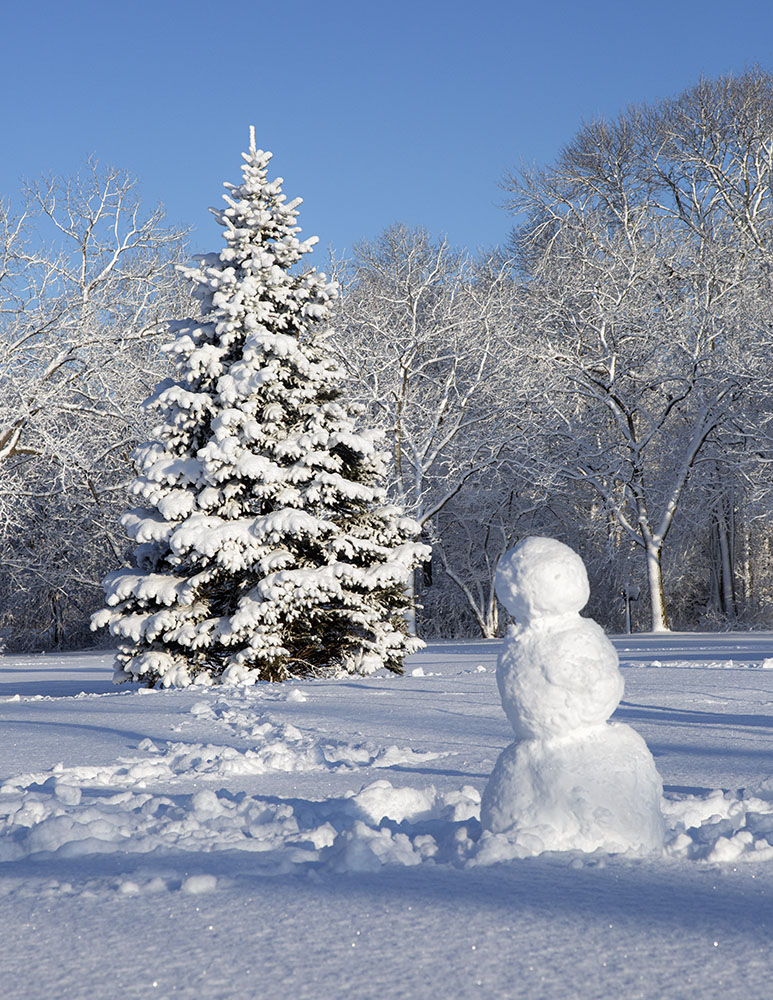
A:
(266, 547)
(572, 780)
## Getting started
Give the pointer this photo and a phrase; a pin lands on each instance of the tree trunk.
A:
(726, 574)
(410, 612)
(492, 616)
(657, 594)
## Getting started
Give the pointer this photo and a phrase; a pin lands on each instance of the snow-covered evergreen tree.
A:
(265, 544)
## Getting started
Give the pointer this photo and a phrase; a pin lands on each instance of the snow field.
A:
(322, 840)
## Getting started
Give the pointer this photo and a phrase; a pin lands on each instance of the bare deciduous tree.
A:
(644, 252)
(422, 332)
(87, 281)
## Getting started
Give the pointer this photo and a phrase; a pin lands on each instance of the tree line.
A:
(603, 377)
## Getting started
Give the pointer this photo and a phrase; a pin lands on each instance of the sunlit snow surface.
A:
(321, 839)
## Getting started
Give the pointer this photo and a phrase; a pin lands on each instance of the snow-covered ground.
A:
(321, 839)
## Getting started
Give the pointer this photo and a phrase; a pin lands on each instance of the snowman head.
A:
(541, 577)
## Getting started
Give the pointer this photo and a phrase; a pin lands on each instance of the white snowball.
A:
(598, 792)
(553, 680)
(539, 577)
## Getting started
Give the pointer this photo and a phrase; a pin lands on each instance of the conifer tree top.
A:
(257, 210)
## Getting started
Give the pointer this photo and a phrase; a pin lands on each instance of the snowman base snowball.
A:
(595, 791)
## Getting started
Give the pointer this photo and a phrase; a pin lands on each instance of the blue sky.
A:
(376, 112)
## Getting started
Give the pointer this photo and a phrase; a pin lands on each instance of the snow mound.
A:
(360, 831)
(721, 826)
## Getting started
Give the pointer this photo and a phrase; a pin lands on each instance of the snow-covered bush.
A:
(265, 544)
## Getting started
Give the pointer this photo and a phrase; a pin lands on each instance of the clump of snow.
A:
(238, 673)
(195, 885)
(712, 664)
(381, 800)
(571, 781)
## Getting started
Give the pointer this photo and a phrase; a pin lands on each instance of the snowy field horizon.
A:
(322, 839)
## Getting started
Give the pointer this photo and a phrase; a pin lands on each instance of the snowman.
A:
(572, 780)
